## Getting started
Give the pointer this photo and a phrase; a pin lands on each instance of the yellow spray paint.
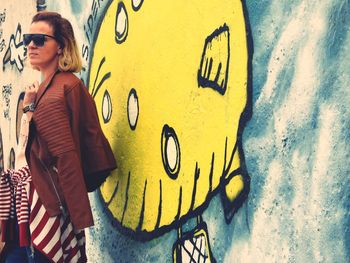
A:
(170, 82)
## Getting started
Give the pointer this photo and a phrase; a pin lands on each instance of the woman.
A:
(65, 143)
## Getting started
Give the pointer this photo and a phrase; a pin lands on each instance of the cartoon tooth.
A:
(170, 80)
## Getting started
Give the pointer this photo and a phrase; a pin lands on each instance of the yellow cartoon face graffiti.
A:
(170, 83)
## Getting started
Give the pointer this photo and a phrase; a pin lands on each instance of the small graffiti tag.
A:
(6, 94)
(2, 41)
(2, 20)
(2, 17)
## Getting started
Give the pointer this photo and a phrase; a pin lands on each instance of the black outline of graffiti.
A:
(15, 53)
(2, 41)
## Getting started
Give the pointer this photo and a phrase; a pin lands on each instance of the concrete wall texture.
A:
(228, 120)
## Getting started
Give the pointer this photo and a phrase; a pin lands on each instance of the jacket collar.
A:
(44, 86)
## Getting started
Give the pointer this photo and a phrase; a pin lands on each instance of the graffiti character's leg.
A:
(193, 246)
(236, 189)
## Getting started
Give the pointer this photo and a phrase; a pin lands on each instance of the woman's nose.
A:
(31, 45)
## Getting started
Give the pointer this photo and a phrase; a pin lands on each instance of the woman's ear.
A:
(59, 51)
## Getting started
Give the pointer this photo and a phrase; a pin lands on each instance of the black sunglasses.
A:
(38, 39)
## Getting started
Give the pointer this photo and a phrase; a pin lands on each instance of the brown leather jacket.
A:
(64, 127)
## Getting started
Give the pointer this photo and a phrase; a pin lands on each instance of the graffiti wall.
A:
(228, 120)
(14, 75)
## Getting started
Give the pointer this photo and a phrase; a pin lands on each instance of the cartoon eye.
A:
(106, 107)
(136, 4)
(170, 152)
(121, 24)
(133, 109)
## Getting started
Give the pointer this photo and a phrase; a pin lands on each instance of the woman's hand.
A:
(30, 94)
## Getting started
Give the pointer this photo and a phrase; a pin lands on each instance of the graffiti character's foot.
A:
(193, 246)
(234, 194)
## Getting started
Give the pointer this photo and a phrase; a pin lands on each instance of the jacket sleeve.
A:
(53, 126)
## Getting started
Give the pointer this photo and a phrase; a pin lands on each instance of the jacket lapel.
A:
(44, 86)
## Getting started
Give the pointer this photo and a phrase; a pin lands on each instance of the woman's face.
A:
(46, 56)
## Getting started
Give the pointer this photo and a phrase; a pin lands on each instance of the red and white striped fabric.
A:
(55, 236)
(14, 189)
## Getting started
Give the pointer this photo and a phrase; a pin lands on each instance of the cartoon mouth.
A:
(213, 71)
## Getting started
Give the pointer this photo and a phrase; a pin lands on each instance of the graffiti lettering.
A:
(85, 52)
(6, 93)
(2, 42)
(2, 17)
(89, 27)
(2, 20)
(15, 52)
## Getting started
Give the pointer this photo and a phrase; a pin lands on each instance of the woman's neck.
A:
(49, 70)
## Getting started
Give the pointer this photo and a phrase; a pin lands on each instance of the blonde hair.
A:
(70, 59)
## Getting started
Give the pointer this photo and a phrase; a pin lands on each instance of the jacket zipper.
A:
(63, 210)
(56, 192)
